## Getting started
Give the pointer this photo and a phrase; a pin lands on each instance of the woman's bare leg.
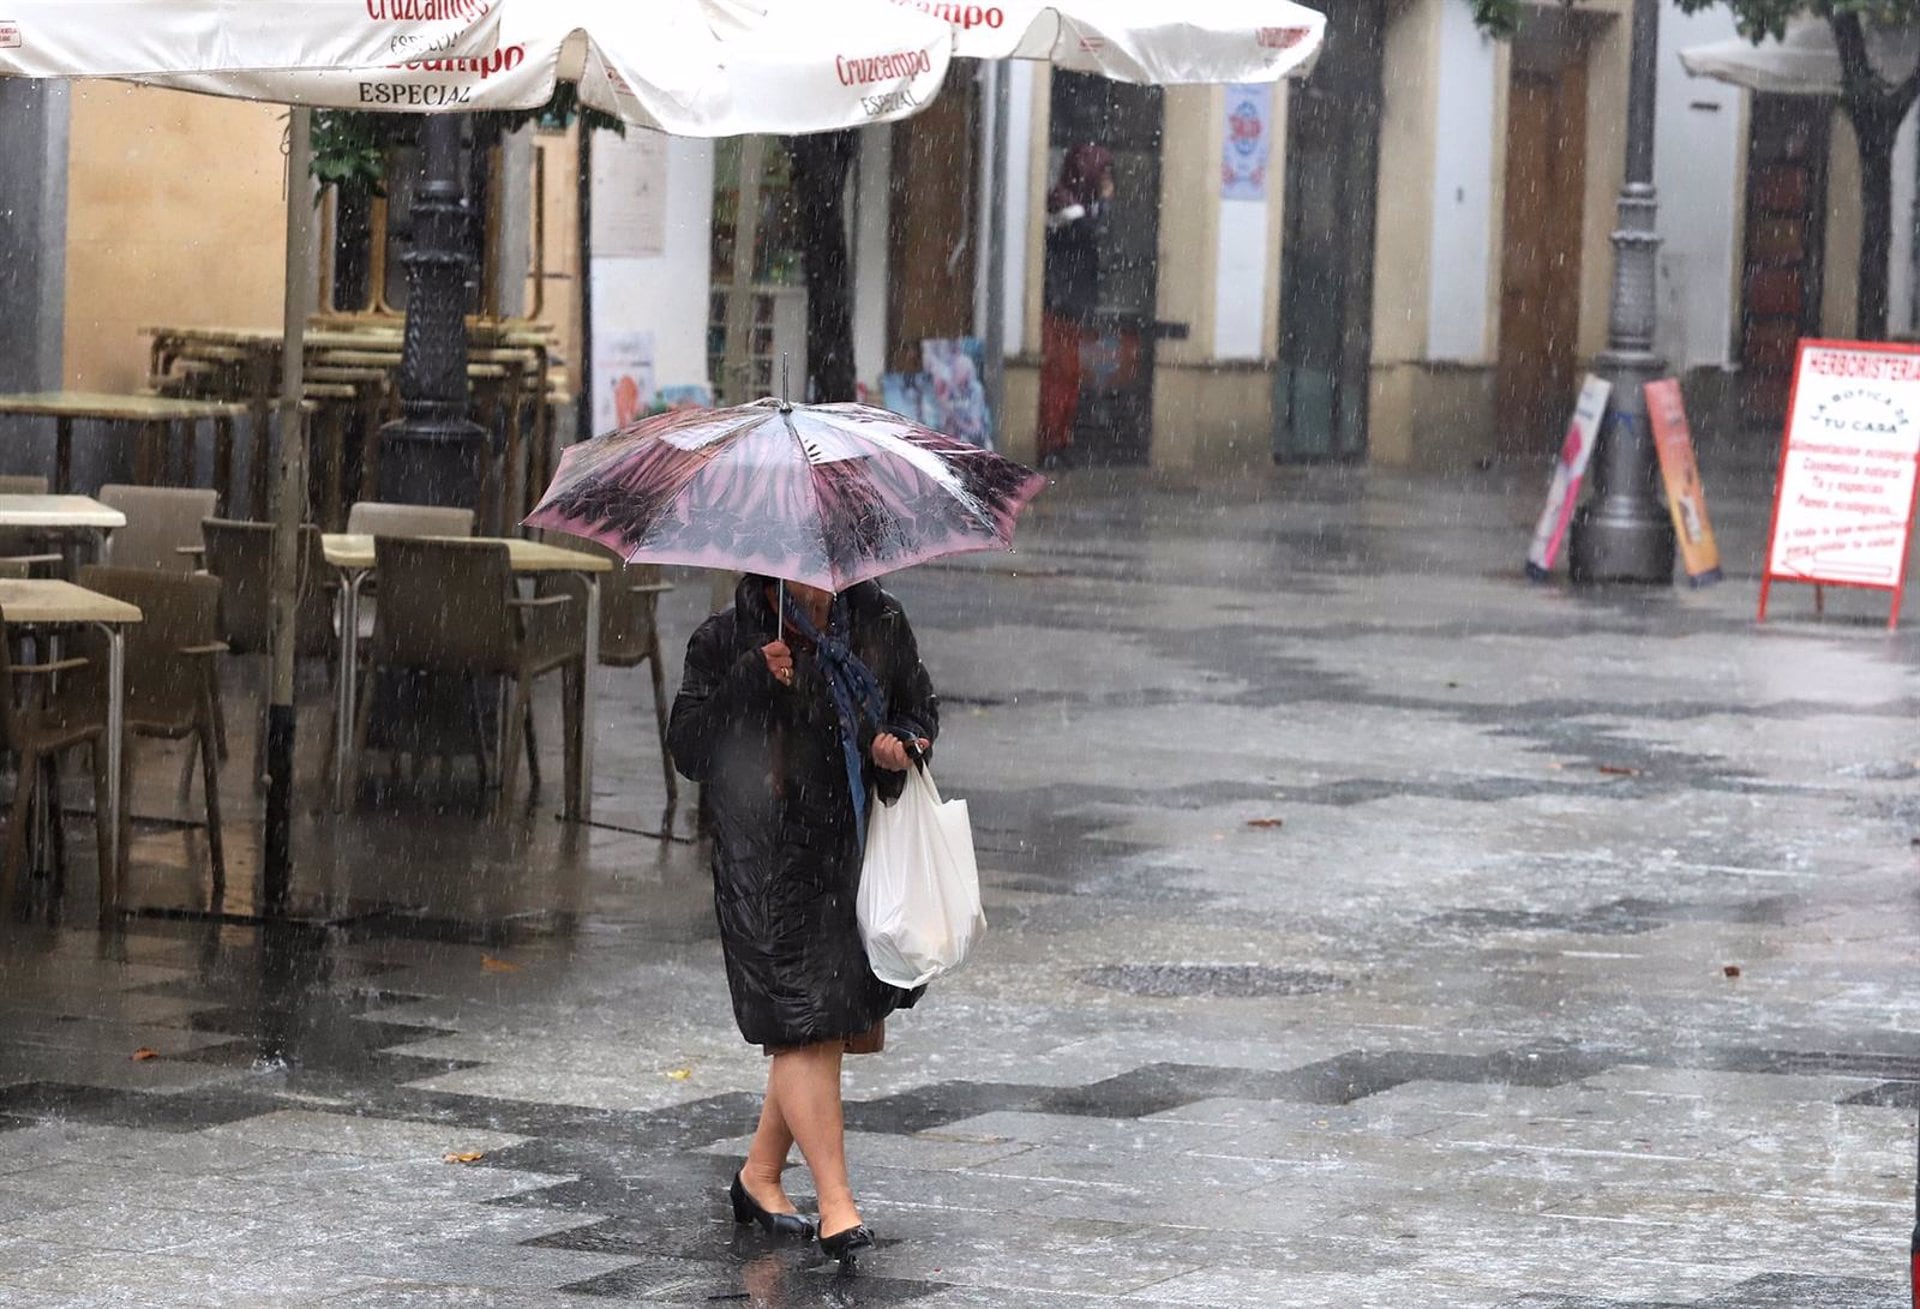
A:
(767, 1156)
(807, 1084)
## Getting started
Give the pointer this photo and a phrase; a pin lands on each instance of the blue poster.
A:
(1243, 163)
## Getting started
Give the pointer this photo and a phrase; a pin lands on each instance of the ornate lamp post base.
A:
(435, 455)
(1625, 534)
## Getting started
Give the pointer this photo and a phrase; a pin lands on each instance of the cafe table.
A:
(152, 415)
(37, 602)
(62, 515)
(352, 555)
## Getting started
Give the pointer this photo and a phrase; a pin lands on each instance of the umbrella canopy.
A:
(124, 38)
(688, 67)
(825, 495)
(1158, 42)
(1804, 62)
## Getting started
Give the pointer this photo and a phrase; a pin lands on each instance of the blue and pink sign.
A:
(1244, 156)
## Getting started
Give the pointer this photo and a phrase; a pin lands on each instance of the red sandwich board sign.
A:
(1843, 504)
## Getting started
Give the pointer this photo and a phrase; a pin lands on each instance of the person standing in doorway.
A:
(1070, 290)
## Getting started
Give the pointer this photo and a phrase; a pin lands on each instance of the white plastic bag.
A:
(919, 901)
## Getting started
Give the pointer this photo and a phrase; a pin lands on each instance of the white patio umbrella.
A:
(1804, 62)
(687, 67)
(123, 38)
(694, 67)
(1155, 42)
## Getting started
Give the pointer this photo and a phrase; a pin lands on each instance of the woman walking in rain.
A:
(1070, 290)
(795, 728)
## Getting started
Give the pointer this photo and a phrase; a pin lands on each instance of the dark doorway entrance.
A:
(1540, 271)
(1326, 263)
(930, 238)
(1785, 234)
(1115, 423)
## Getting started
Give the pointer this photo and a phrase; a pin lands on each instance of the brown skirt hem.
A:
(871, 1041)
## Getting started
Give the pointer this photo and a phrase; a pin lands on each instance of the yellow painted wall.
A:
(175, 215)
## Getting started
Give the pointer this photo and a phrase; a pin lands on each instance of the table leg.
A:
(590, 721)
(223, 463)
(146, 437)
(259, 473)
(109, 832)
(515, 462)
(346, 700)
(62, 456)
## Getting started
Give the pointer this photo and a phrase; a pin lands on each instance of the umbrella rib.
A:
(813, 493)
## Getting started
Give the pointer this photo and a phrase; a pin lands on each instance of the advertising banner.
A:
(1563, 491)
(1843, 505)
(622, 378)
(1686, 498)
(1247, 145)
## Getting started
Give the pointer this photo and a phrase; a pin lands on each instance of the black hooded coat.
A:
(786, 855)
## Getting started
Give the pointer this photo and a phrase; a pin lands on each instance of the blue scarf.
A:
(854, 689)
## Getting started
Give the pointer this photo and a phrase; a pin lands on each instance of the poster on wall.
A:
(629, 195)
(623, 381)
(1247, 145)
(1569, 472)
(955, 398)
(1843, 504)
(1686, 498)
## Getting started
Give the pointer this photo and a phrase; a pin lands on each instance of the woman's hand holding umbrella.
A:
(779, 661)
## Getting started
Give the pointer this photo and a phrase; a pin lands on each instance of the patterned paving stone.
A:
(1459, 1031)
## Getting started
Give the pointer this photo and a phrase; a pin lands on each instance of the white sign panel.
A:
(1843, 509)
(623, 381)
(1569, 472)
(630, 195)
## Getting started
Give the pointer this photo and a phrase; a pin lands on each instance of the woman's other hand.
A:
(779, 661)
(890, 752)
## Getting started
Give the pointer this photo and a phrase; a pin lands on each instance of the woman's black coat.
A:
(786, 855)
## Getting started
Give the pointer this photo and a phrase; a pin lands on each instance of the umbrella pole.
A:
(288, 510)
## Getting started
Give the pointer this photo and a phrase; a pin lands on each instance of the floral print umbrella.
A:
(825, 495)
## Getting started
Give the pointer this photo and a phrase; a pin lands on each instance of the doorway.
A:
(930, 220)
(1540, 269)
(1785, 235)
(1115, 423)
(1327, 247)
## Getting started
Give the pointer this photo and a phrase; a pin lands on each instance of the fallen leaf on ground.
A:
(1731, 970)
(143, 1054)
(493, 965)
(464, 1156)
(1266, 822)
(679, 1074)
(1619, 770)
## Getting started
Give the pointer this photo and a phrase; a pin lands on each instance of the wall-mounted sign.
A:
(1843, 505)
(1569, 471)
(1686, 498)
(1248, 144)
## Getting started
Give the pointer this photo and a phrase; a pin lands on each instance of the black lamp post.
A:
(1625, 534)
(436, 455)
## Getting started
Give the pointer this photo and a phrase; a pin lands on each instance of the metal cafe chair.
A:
(451, 607)
(170, 691)
(629, 630)
(47, 710)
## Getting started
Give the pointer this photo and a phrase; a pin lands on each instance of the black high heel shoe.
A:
(846, 1246)
(747, 1210)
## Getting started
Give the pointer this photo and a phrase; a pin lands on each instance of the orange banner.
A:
(1686, 498)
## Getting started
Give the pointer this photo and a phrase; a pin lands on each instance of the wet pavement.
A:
(1369, 928)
